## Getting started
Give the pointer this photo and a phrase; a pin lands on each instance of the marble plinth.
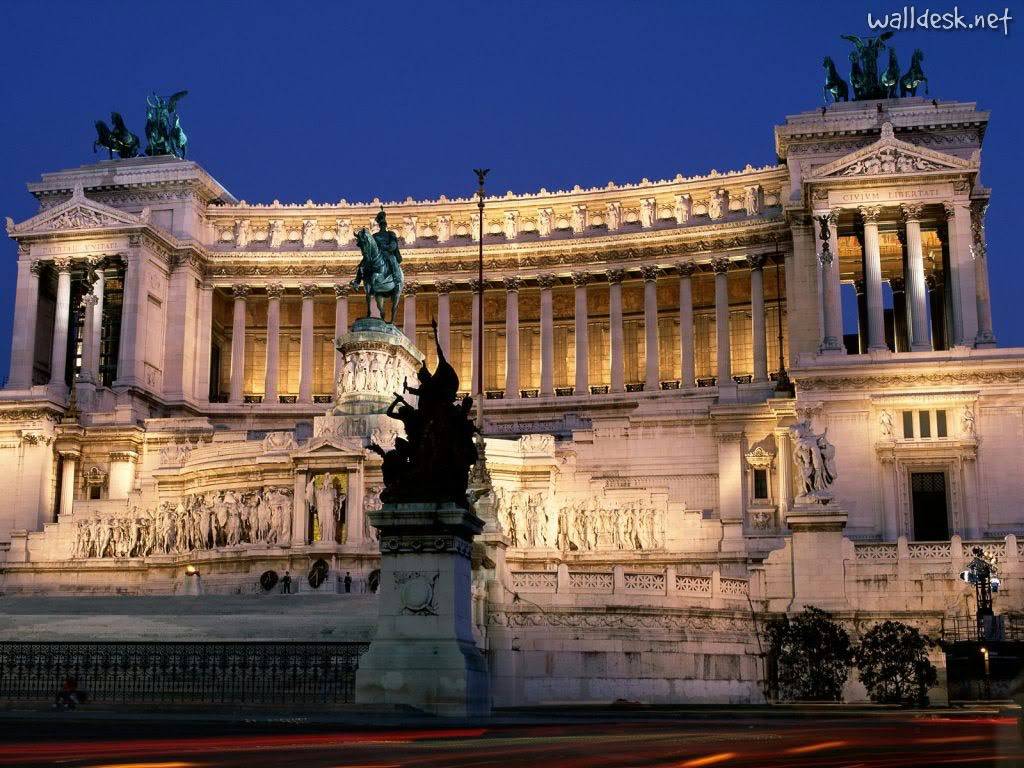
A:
(817, 546)
(376, 359)
(423, 653)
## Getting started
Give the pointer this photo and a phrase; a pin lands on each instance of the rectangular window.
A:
(940, 424)
(760, 484)
(925, 419)
(908, 425)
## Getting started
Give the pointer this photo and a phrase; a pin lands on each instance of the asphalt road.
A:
(662, 738)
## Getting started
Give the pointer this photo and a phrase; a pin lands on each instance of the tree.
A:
(810, 656)
(892, 662)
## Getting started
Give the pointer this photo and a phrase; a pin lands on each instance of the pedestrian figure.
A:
(348, 582)
(286, 583)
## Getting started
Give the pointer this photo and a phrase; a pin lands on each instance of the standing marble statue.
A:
(815, 462)
(324, 499)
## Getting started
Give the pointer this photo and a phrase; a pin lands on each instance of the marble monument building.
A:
(676, 375)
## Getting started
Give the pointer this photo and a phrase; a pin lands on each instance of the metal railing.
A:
(183, 672)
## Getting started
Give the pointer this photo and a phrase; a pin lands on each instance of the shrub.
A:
(810, 655)
(892, 662)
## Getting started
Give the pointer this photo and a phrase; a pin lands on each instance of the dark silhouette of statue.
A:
(866, 81)
(163, 126)
(116, 138)
(431, 463)
(380, 271)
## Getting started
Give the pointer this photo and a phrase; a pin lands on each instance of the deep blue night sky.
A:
(329, 100)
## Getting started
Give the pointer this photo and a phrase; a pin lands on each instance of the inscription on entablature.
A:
(44, 250)
(937, 192)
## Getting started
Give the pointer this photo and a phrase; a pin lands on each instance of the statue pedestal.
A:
(817, 542)
(423, 654)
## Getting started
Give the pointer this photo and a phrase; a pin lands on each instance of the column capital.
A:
(833, 216)
(309, 290)
(512, 284)
(410, 288)
(240, 290)
(36, 267)
(948, 210)
(870, 214)
(932, 281)
(897, 284)
(911, 211)
(274, 290)
(756, 260)
(444, 286)
(649, 273)
(615, 276)
(580, 279)
(341, 290)
(475, 284)
(62, 264)
(547, 281)
(134, 239)
(720, 265)
(686, 268)
(90, 299)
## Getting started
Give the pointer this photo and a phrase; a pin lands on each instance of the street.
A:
(658, 738)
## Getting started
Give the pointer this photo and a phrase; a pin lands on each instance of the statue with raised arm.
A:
(380, 272)
(163, 127)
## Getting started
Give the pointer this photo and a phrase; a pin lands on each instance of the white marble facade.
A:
(640, 454)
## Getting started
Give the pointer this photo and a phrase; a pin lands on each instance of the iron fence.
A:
(183, 672)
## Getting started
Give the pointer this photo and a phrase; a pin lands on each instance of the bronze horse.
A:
(834, 84)
(379, 278)
(116, 138)
(890, 79)
(911, 81)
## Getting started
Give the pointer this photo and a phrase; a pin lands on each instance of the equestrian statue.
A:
(380, 271)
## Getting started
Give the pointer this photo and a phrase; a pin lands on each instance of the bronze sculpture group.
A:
(164, 134)
(865, 79)
(431, 463)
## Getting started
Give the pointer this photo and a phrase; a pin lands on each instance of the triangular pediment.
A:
(890, 156)
(330, 446)
(78, 213)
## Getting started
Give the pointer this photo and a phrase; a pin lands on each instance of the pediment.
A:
(320, 447)
(77, 213)
(890, 156)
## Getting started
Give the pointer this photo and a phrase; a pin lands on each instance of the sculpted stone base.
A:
(423, 654)
(817, 545)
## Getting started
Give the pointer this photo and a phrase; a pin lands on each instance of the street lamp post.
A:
(480, 174)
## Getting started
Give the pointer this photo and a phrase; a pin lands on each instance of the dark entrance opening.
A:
(928, 496)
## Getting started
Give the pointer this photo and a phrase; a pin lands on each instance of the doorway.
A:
(928, 497)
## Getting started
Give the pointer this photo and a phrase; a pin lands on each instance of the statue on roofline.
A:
(866, 82)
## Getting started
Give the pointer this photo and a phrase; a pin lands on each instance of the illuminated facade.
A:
(633, 335)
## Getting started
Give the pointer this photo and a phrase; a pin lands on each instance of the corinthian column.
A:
(721, 269)
(409, 290)
(97, 326)
(88, 337)
(26, 311)
(62, 318)
(547, 336)
(618, 369)
(274, 291)
(580, 280)
(873, 278)
(985, 337)
(444, 319)
(652, 376)
(832, 295)
(757, 331)
(240, 293)
(341, 293)
(687, 374)
(512, 337)
(916, 291)
(306, 344)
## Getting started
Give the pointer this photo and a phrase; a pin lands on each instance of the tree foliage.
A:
(892, 662)
(810, 655)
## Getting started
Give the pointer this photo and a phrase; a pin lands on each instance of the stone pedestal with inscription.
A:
(423, 653)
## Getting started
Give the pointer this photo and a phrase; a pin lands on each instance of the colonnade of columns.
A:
(963, 297)
(512, 285)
